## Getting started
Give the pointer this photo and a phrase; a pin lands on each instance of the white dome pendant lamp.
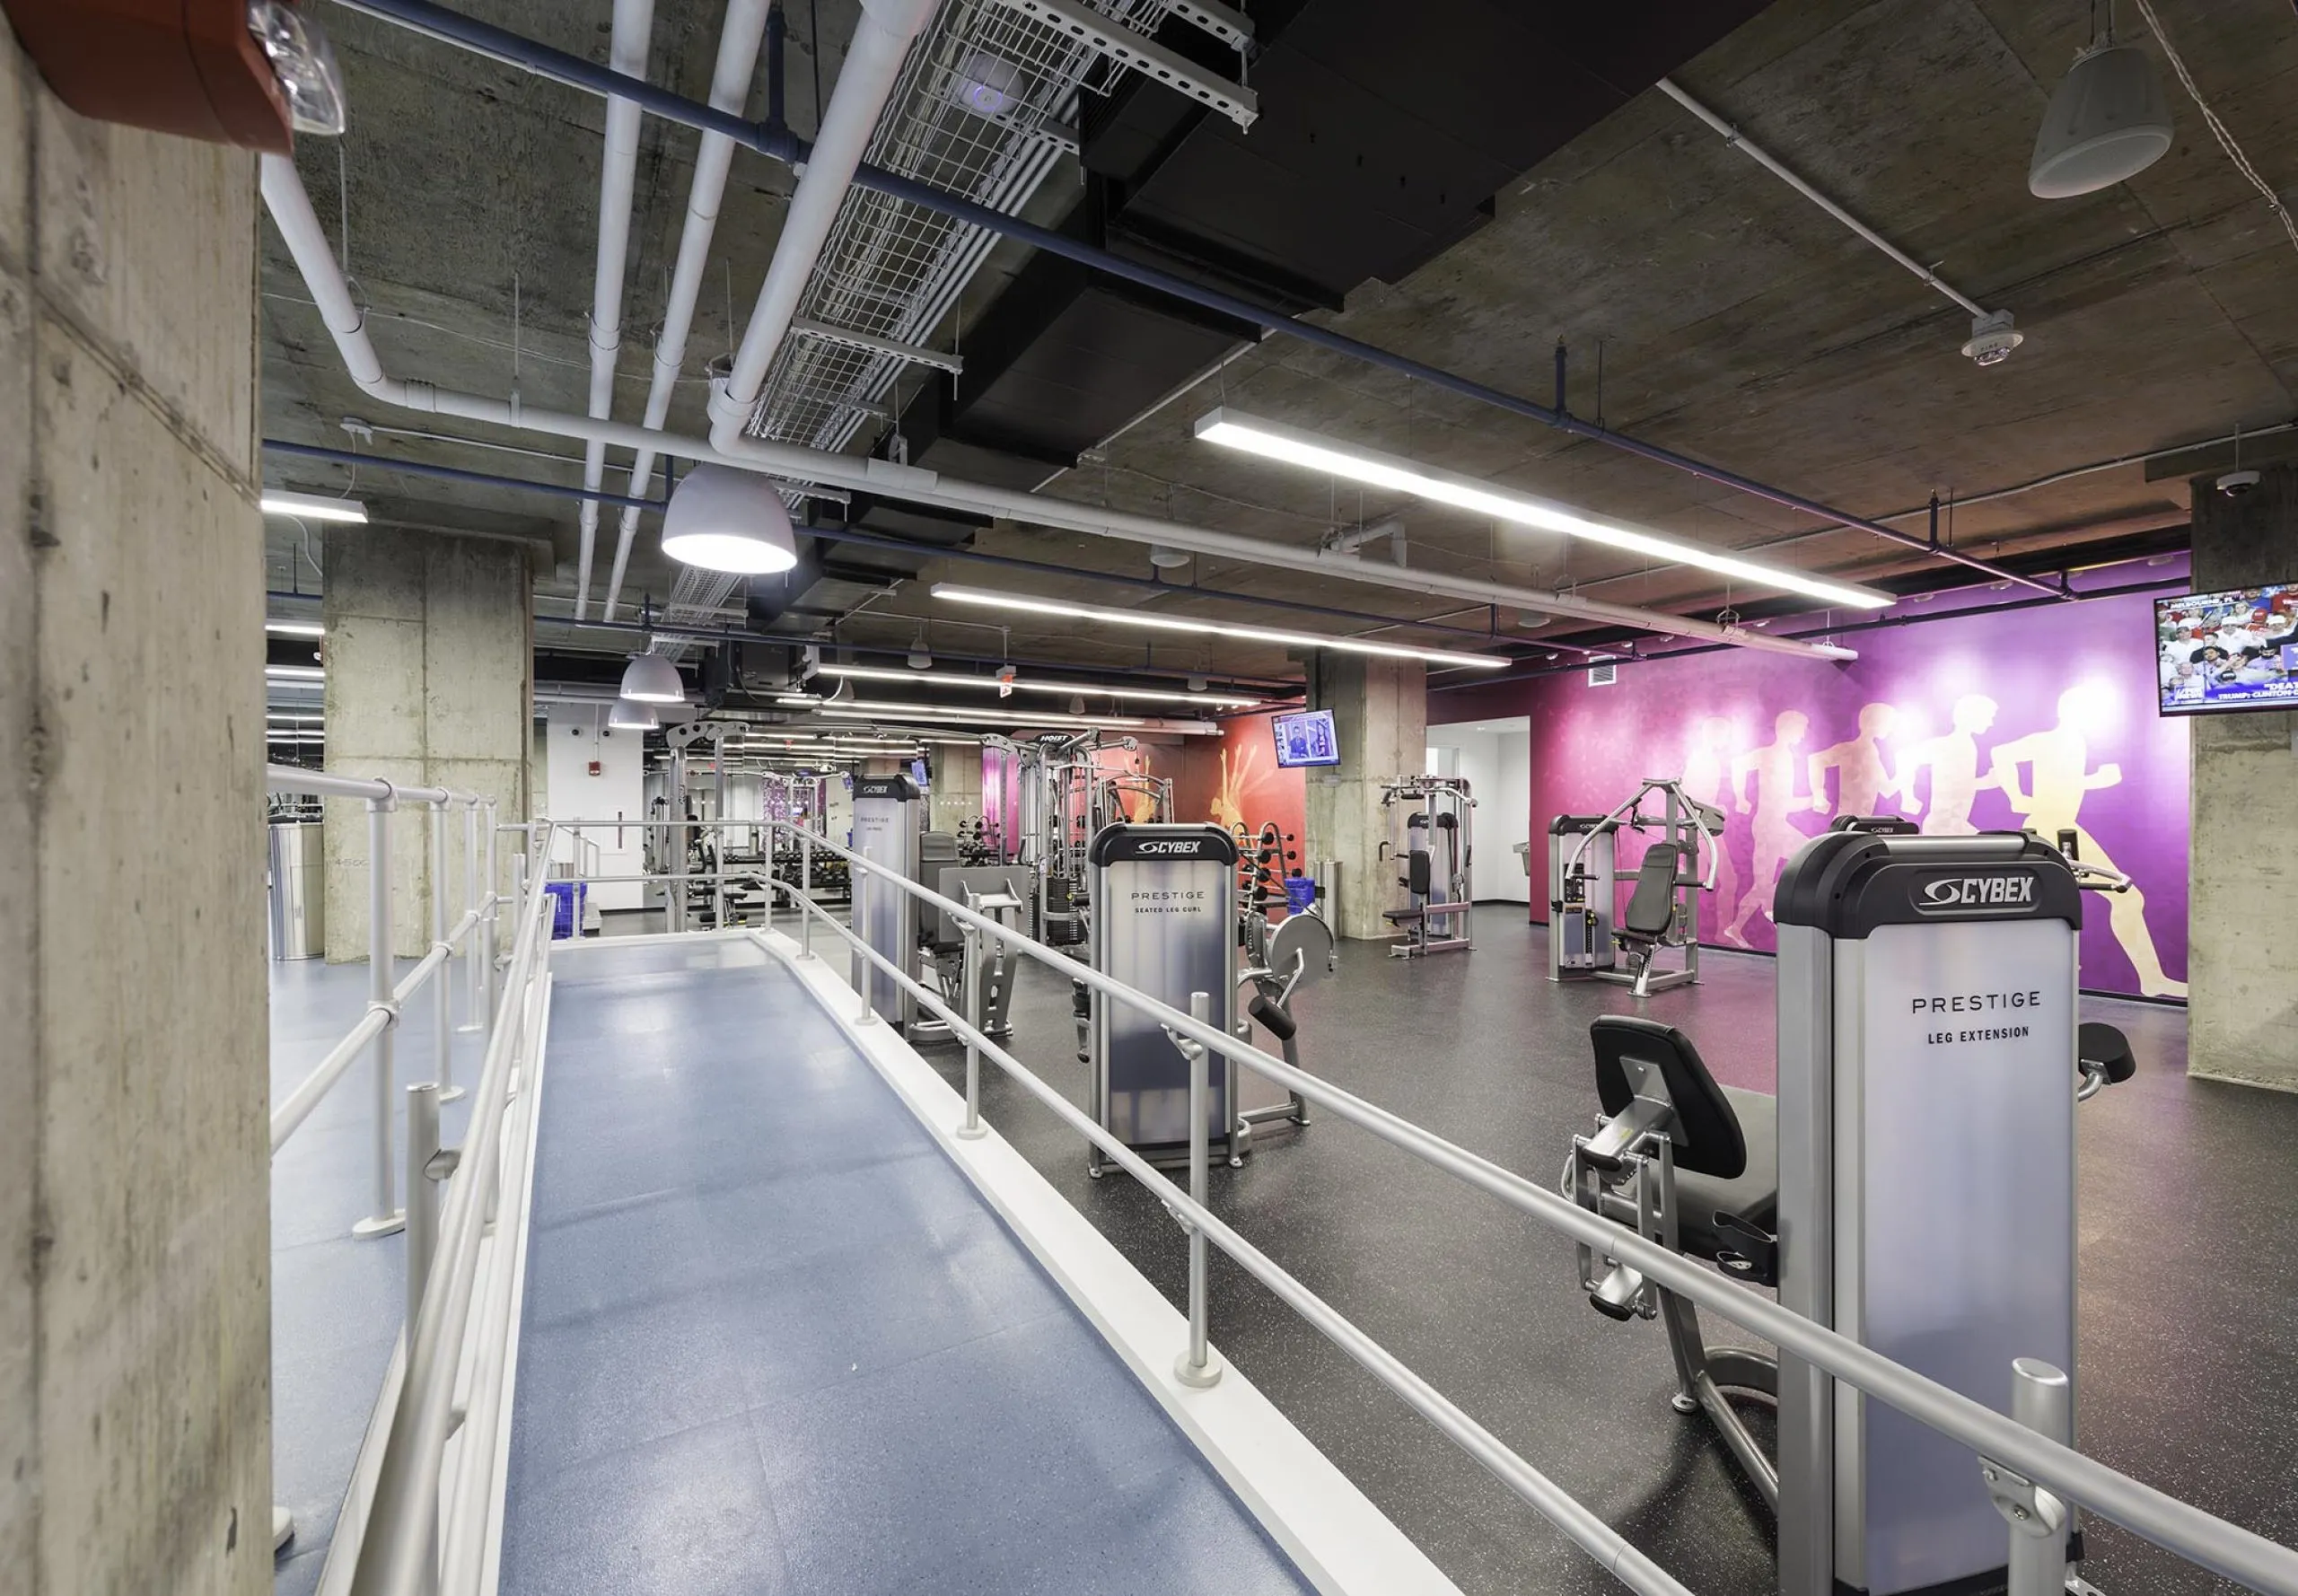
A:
(2107, 121)
(723, 519)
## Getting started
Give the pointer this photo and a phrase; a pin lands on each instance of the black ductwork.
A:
(1385, 131)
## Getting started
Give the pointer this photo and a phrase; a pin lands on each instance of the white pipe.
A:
(1763, 158)
(290, 209)
(633, 28)
(729, 89)
(873, 62)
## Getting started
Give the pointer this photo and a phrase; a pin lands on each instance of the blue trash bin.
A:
(565, 909)
(1300, 893)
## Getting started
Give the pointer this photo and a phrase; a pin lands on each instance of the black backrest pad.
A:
(1417, 875)
(1653, 904)
(1708, 1140)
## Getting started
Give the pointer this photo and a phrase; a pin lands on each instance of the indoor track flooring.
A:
(2189, 1355)
(773, 1341)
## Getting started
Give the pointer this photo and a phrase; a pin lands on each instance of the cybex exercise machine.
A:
(1912, 1186)
(1588, 935)
(887, 815)
(1163, 923)
(1433, 837)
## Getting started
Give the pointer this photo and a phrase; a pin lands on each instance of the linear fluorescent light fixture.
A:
(1031, 685)
(1274, 441)
(955, 594)
(310, 507)
(870, 709)
(294, 673)
(295, 628)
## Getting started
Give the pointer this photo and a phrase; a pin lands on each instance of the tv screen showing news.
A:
(1305, 739)
(2229, 651)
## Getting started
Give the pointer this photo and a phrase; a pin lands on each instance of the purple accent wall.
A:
(1926, 724)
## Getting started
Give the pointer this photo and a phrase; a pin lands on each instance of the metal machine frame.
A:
(1165, 928)
(888, 814)
(1925, 1179)
(1585, 940)
(1440, 917)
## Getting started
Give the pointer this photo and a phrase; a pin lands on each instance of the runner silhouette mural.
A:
(2046, 722)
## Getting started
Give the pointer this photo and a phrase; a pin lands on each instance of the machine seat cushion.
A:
(1652, 906)
(1752, 1195)
(1403, 916)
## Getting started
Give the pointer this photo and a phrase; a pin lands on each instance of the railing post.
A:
(492, 913)
(386, 1218)
(474, 902)
(865, 974)
(973, 1129)
(422, 1192)
(423, 1237)
(2043, 1399)
(443, 979)
(1197, 1366)
(805, 894)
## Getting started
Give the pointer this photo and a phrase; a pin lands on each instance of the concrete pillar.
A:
(2241, 1006)
(1380, 712)
(430, 662)
(957, 786)
(135, 1174)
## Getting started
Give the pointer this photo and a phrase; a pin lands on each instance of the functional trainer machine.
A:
(1588, 936)
(1433, 837)
(1912, 1186)
(1163, 925)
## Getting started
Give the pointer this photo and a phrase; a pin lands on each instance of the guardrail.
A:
(2222, 1547)
(405, 1525)
(399, 1553)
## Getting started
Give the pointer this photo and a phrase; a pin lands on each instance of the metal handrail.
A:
(2223, 1548)
(385, 1006)
(398, 1548)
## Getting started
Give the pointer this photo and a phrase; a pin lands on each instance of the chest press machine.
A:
(1911, 1186)
(1588, 935)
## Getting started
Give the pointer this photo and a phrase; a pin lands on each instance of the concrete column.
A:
(957, 786)
(430, 658)
(2242, 1014)
(1380, 712)
(134, 1190)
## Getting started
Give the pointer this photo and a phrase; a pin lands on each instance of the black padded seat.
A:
(1652, 906)
(1727, 1145)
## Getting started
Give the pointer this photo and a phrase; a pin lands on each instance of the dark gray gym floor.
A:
(2189, 1375)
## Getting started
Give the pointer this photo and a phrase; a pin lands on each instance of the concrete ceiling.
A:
(1736, 322)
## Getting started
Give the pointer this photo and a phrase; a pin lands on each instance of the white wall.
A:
(1497, 765)
(578, 735)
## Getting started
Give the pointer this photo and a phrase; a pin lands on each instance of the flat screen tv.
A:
(1305, 738)
(2228, 651)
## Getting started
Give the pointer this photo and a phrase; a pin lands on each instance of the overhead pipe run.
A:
(747, 21)
(633, 30)
(307, 243)
(865, 82)
(859, 539)
(779, 143)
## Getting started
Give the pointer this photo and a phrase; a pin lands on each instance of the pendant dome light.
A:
(2107, 121)
(726, 520)
(630, 715)
(921, 658)
(650, 678)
